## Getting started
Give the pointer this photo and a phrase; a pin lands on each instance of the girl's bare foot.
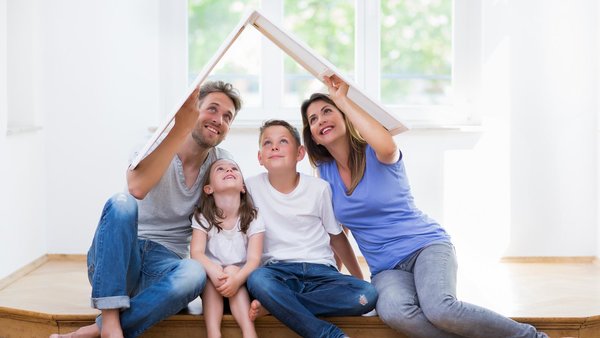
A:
(257, 310)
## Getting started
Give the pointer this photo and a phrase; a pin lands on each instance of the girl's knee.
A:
(231, 269)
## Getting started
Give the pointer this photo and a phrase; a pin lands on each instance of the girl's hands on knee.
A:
(230, 283)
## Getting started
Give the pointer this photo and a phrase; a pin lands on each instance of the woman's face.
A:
(326, 122)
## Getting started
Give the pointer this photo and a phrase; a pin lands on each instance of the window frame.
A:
(466, 69)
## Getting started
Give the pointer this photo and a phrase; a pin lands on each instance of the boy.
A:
(299, 280)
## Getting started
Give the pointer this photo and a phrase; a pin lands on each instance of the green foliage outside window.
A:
(415, 48)
(328, 28)
(416, 51)
(209, 23)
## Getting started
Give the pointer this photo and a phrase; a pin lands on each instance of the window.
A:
(328, 28)
(17, 62)
(418, 57)
(210, 22)
(416, 52)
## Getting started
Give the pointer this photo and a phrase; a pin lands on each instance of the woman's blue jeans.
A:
(418, 298)
(144, 279)
(295, 293)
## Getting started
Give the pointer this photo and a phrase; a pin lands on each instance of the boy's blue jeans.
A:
(147, 281)
(295, 293)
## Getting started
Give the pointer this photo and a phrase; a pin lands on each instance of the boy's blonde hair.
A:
(282, 123)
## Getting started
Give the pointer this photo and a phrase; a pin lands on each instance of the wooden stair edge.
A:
(347, 321)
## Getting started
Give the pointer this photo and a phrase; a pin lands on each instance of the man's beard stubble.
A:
(201, 141)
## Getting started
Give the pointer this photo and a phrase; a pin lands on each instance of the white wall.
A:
(524, 183)
(101, 94)
(597, 82)
(23, 222)
(553, 127)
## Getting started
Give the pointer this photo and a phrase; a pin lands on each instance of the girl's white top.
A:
(228, 247)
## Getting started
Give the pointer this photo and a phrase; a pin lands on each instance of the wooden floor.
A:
(563, 299)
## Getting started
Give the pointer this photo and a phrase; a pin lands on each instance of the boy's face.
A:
(279, 150)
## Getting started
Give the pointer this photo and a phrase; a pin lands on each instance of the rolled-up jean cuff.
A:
(115, 302)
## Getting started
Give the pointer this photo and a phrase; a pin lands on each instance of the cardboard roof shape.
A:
(304, 55)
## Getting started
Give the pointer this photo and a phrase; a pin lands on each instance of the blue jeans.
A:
(147, 281)
(295, 293)
(418, 298)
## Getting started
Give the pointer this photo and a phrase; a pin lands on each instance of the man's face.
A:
(216, 115)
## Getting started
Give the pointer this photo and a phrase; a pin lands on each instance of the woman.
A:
(411, 257)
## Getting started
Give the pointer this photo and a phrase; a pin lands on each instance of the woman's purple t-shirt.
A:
(381, 213)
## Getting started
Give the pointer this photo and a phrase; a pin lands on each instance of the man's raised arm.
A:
(149, 171)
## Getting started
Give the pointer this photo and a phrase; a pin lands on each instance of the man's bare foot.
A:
(90, 331)
(256, 310)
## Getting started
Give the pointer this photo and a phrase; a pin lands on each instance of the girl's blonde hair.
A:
(318, 154)
(213, 214)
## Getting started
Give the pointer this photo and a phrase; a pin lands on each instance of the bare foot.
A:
(256, 310)
(111, 325)
(90, 331)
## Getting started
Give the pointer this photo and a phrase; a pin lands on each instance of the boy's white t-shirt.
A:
(228, 247)
(297, 224)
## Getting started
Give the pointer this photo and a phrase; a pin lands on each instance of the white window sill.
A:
(22, 130)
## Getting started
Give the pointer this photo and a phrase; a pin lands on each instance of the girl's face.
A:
(326, 122)
(225, 175)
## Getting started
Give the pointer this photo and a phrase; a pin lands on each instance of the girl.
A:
(412, 260)
(227, 240)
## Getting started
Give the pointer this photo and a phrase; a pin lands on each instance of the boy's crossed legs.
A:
(296, 293)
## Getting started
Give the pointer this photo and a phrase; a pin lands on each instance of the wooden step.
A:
(53, 297)
(19, 323)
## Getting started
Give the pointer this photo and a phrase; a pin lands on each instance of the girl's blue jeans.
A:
(418, 298)
(144, 279)
(295, 293)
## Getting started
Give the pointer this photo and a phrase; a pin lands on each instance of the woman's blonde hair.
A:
(214, 215)
(319, 154)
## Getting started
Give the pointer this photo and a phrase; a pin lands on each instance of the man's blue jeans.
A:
(295, 293)
(144, 279)
(418, 298)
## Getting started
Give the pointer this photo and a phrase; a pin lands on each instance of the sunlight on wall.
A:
(477, 182)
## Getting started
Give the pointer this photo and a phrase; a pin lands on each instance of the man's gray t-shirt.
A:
(164, 215)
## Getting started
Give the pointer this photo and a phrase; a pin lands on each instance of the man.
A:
(137, 263)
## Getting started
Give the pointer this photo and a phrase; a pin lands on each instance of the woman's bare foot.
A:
(90, 331)
(257, 310)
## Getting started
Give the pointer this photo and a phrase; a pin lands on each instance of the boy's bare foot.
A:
(256, 310)
(90, 331)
